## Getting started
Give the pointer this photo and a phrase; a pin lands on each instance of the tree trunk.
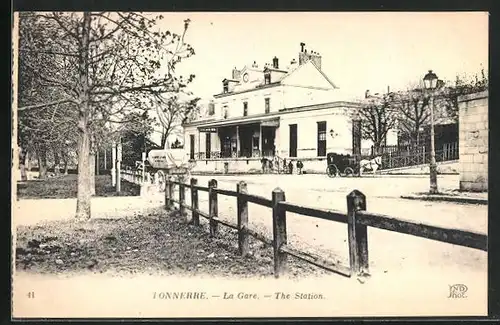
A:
(164, 137)
(84, 186)
(64, 156)
(92, 172)
(98, 162)
(42, 163)
(57, 162)
(376, 148)
(28, 161)
(84, 195)
(105, 167)
(22, 164)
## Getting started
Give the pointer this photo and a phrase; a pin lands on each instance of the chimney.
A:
(254, 65)
(367, 93)
(302, 47)
(275, 63)
(315, 58)
(236, 74)
(303, 57)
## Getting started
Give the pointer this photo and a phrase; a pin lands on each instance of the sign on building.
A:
(178, 171)
(208, 130)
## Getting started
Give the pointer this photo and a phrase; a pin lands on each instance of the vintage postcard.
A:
(264, 164)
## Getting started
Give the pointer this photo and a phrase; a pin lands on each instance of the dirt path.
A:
(155, 243)
(390, 252)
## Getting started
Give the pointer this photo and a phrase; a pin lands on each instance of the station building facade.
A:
(293, 113)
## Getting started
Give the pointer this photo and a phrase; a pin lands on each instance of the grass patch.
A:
(66, 187)
(158, 243)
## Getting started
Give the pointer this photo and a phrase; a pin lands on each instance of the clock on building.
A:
(245, 77)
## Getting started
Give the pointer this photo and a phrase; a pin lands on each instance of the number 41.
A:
(31, 294)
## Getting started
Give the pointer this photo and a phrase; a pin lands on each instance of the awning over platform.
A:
(211, 127)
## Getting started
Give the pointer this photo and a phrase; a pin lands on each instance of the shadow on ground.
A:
(65, 187)
(156, 244)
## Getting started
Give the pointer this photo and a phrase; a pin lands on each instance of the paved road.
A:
(389, 252)
(409, 274)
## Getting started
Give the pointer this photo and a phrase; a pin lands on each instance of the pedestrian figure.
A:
(290, 167)
(284, 167)
(300, 165)
(263, 162)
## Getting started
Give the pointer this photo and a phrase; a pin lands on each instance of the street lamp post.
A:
(430, 83)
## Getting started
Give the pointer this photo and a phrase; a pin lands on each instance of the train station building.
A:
(293, 112)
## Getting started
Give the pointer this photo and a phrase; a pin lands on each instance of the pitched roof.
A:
(314, 65)
(260, 83)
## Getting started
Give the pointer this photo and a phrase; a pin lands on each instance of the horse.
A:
(372, 164)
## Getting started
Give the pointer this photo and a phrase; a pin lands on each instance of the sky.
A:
(360, 51)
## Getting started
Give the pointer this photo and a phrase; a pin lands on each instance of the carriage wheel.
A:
(160, 180)
(348, 171)
(332, 171)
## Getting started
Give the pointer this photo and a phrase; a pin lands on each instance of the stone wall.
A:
(473, 141)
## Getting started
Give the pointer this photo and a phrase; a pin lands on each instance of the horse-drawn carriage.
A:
(347, 165)
(341, 165)
(163, 162)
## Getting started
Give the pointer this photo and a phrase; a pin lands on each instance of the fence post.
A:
(170, 192)
(212, 206)
(167, 194)
(194, 203)
(357, 234)
(242, 205)
(182, 200)
(279, 232)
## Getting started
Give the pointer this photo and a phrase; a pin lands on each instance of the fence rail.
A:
(134, 176)
(357, 219)
(396, 159)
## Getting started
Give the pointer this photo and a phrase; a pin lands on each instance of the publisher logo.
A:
(458, 291)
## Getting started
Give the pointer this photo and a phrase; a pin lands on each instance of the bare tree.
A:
(413, 112)
(463, 85)
(173, 113)
(109, 64)
(378, 116)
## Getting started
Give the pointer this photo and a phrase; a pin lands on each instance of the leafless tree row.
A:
(409, 110)
(85, 78)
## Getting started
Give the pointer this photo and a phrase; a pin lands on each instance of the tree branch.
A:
(38, 106)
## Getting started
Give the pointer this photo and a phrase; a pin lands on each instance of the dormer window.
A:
(225, 87)
(267, 78)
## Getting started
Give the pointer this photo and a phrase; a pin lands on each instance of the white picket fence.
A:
(136, 177)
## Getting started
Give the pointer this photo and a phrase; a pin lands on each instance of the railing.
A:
(135, 176)
(234, 154)
(449, 151)
(357, 219)
(278, 165)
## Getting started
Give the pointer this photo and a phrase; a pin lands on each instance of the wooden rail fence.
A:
(357, 219)
(134, 176)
